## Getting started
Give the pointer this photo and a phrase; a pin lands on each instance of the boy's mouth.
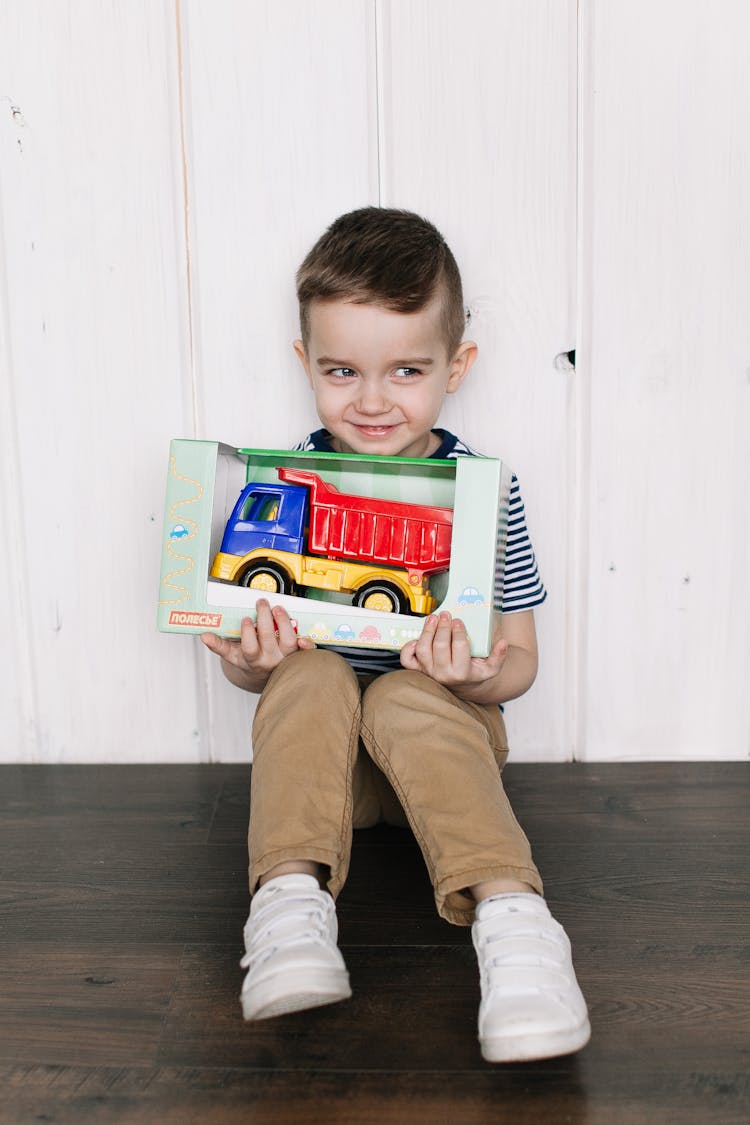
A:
(374, 431)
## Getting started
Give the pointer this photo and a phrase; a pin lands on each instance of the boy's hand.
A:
(249, 662)
(442, 652)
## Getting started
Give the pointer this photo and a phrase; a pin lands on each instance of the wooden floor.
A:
(123, 895)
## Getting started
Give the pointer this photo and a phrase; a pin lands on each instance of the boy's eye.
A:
(341, 372)
(406, 372)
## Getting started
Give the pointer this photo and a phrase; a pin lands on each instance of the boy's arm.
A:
(442, 652)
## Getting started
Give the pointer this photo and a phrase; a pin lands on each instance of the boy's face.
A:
(379, 377)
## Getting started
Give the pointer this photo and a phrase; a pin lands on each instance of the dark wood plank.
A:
(160, 799)
(95, 1003)
(132, 892)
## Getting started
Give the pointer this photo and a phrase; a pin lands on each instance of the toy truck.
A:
(304, 533)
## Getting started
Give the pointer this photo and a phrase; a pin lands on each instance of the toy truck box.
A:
(357, 549)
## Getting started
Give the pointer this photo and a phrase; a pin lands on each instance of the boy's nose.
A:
(372, 400)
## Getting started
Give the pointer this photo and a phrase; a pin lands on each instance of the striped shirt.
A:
(518, 585)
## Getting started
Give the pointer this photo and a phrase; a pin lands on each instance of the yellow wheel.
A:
(383, 596)
(266, 577)
(264, 581)
(378, 600)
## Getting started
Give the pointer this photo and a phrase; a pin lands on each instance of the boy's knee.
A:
(309, 672)
(318, 664)
(402, 688)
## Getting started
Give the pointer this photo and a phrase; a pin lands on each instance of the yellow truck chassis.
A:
(328, 574)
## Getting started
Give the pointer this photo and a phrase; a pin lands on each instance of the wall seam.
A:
(579, 622)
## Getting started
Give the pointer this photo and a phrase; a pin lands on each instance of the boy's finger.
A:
(423, 648)
(213, 642)
(231, 651)
(248, 638)
(443, 634)
(265, 626)
(458, 632)
(497, 656)
(284, 629)
(425, 639)
(460, 648)
(221, 646)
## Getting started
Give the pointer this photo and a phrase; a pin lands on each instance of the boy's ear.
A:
(301, 354)
(460, 365)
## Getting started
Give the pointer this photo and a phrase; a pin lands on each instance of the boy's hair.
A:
(383, 256)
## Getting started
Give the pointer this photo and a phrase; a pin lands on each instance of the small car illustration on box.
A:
(320, 632)
(179, 531)
(369, 633)
(470, 596)
(344, 633)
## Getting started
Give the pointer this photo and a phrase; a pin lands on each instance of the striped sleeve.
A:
(304, 446)
(520, 586)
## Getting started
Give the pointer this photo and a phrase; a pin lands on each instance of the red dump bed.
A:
(390, 532)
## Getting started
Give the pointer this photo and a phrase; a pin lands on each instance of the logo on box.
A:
(205, 620)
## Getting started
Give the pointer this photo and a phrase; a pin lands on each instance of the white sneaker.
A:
(292, 958)
(532, 1007)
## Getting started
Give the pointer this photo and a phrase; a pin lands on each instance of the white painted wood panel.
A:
(666, 353)
(17, 703)
(280, 105)
(477, 131)
(94, 326)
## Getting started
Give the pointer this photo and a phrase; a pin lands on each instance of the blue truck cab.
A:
(273, 516)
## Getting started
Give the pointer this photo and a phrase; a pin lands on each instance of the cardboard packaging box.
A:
(206, 480)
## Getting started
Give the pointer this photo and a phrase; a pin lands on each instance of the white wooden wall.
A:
(163, 168)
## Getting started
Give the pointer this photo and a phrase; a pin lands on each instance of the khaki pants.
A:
(332, 753)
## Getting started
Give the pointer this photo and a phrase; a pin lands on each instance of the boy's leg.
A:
(442, 757)
(305, 742)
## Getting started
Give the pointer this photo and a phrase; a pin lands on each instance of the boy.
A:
(348, 738)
